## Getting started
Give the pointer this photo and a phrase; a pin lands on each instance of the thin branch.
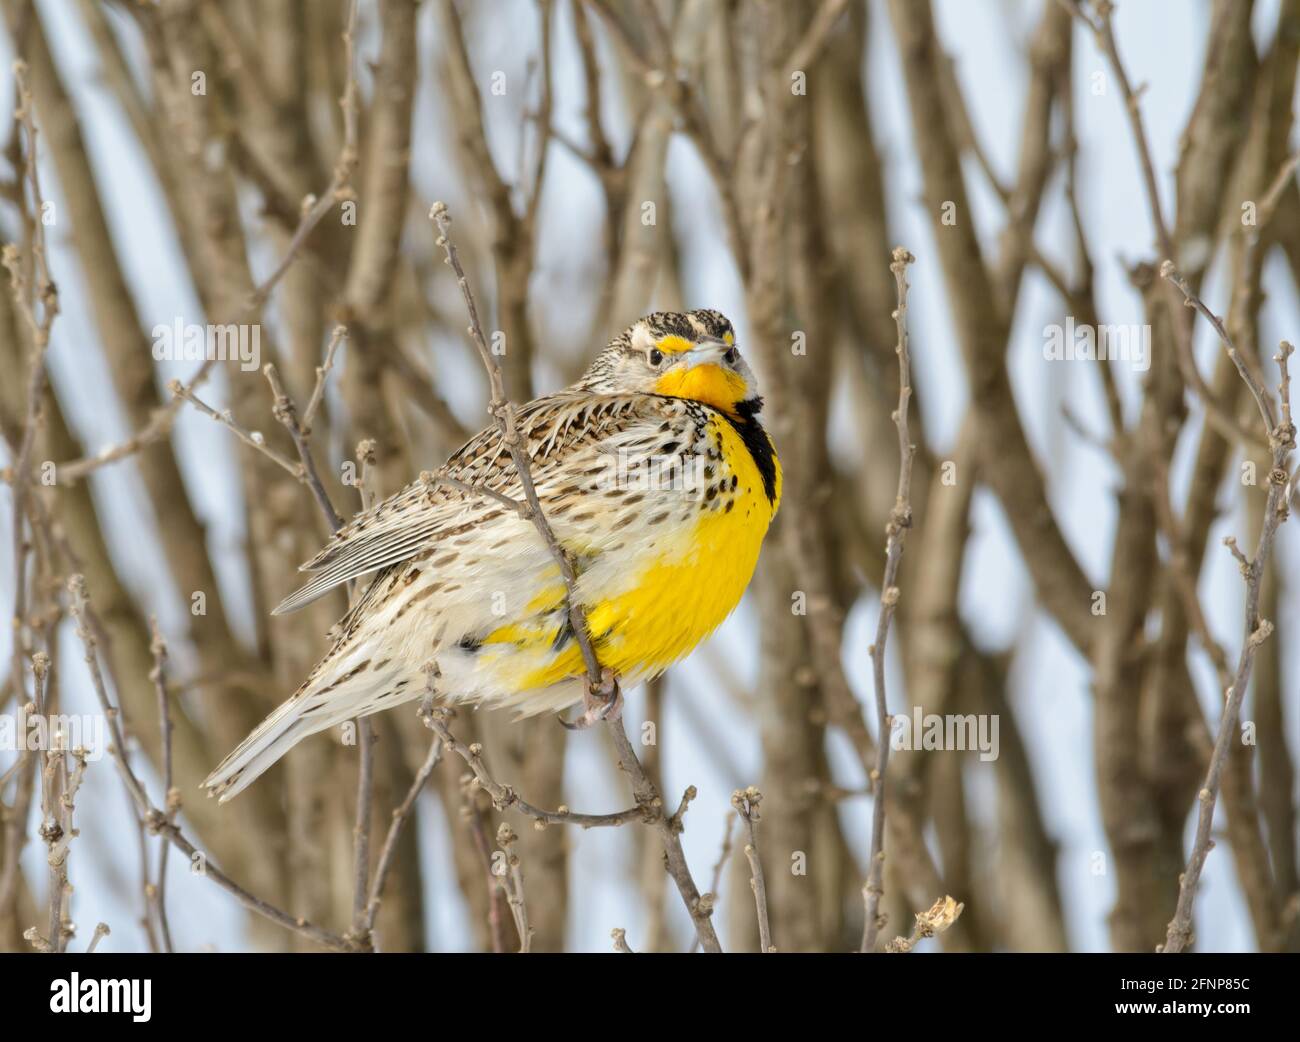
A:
(1103, 30)
(937, 918)
(1256, 630)
(159, 427)
(513, 885)
(402, 814)
(429, 479)
(361, 833)
(171, 794)
(504, 797)
(900, 519)
(364, 900)
(1182, 574)
(700, 906)
(160, 424)
(337, 337)
(255, 440)
(27, 298)
(367, 457)
(715, 886)
(474, 819)
(285, 411)
(814, 38)
(56, 806)
(101, 931)
(1191, 300)
(746, 802)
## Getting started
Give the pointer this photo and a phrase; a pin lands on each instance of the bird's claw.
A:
(598, 703)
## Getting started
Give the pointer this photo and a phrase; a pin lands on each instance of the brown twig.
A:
(367, 457)
(699, 905)
(305, 471)
(430, 479)
(337, 336)
(361, 833)
(900, 519)
(101, 931)
(402, 814)
(1256, 629)
(504, 797)
(475, 820)
(512, 882)
(158, 427)
(43, 296)
(285, 411)
(63, 785)
(171, 794)
(56, 806)
(746, 802)
(1191, 300)
(1181, 572)
(808, 48)
(253, 439)
(937, 918)
(724, 856)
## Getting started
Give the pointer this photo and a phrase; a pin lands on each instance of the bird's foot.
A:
(603, 702)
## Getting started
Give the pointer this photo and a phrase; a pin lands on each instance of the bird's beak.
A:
(708, 351)
(700, 373)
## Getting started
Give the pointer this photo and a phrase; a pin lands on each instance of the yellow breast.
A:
(687, 586)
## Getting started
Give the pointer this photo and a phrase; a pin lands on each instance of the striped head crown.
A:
(689, 354)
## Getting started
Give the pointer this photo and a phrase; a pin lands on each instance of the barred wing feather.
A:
(411, 520)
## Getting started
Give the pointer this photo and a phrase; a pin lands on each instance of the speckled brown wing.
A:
(410, 520)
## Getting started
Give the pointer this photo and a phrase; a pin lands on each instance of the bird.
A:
(659, 482)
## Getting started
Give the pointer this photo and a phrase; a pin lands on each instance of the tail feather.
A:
(272, 738)
(338, 691)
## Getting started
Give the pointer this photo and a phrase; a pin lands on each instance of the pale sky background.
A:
(1162, 44)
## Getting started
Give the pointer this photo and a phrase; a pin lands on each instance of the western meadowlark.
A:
(659, 482)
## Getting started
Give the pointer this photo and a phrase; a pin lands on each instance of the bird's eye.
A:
(730, 356)
(656, 357)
